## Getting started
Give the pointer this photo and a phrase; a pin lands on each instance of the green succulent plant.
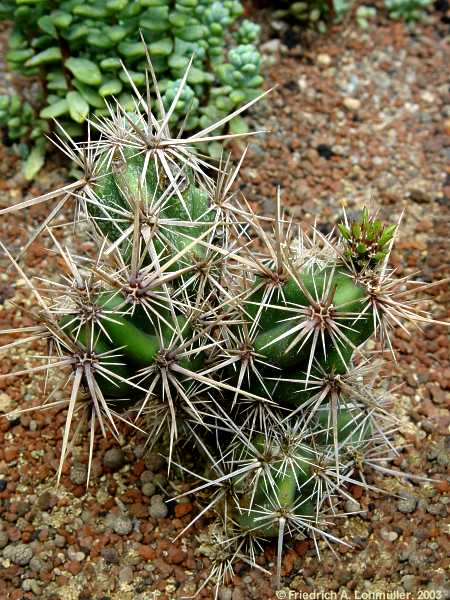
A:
(195, 324)
(365, 15)
(19, 120)
(408, 10)
(76, 51)
(319, 13)
(315, 13)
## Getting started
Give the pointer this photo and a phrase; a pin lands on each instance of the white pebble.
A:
(352, 104)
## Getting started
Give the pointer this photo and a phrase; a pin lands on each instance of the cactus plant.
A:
(75, 51)
(193, 321)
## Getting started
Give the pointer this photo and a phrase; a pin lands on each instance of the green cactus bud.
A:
(366, 241)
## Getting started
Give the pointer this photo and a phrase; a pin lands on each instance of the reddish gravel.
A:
(357, 118)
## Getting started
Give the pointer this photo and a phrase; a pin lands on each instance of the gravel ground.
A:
(356, 118)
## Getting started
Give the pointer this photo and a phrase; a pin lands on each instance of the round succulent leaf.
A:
(89, 94)
(19, 56)
(111, 64)
(98, 39)
(14, 122)
(47, 25)
(52, 54)
(191, 33)
(58, 84)
(116, 5)
(131, 49)
(61, 19)
(195, 76)
(178, 19)
(89, 11)
(54, 110)
(178, 62)
(215, 150)
(162, 47)
(153, 2)
(77, 32)
(116, 33)
(136, 77)
(84, 70)
(78, 107)
(16, 39)
(34, 162)
(110, 88)
(238, 125)
(153, 26)
(126, 101)
(15, 104)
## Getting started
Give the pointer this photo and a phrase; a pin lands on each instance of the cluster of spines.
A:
(194, 319)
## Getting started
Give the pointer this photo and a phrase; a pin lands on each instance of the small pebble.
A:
(139, 451)
(22, 509)
(75, 555)
(158, 510)
(437, 509)
(60, 541)
(407, 505)
(122, 525)
(389, 536)
(126, 575)
(36, 564)
(409, 583)
(270, 47)
(114, 459)
(19, 554)
(3, 485)
(428, 97)
(419, 195)
(78, 474)
(147, 476)
(31, 585)
(352, 506)
(148, 489)
(351, 104)
(6, 403)
(4, 539)
(110, 555)
(46, 501)
(324, 60)
(154, 462)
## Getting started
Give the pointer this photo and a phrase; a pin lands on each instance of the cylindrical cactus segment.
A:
(315, 284)
(353, 425)
(319, 299)
(285, 481)
(114, 385)
(174, 208)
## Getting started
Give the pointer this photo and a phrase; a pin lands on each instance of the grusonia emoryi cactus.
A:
(198, 319)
